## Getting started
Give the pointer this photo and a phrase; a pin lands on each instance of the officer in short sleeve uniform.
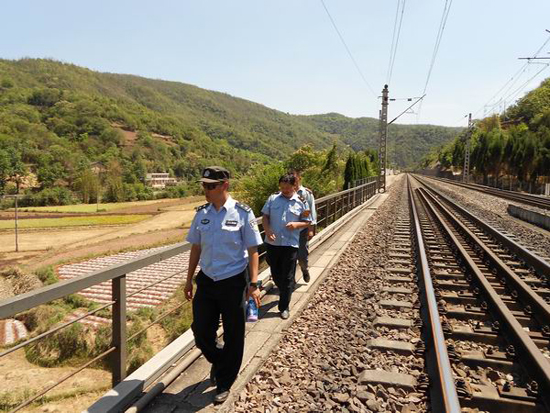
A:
(225, 237)
(284, 217)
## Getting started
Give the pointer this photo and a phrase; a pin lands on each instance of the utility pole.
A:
(466, 171)
(16, 219)
(382, 151)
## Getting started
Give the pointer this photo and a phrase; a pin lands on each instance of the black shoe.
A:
(213, 375)
(306, 275)
(221, 396)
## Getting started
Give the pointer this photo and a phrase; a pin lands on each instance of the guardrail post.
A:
(118, 360)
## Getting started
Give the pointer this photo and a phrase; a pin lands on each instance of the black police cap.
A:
(214, 174)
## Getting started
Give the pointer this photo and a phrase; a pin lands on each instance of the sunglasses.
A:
(210, 186)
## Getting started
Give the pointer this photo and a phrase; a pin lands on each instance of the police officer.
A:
(225, 237)
(307, 233)
(284, 215)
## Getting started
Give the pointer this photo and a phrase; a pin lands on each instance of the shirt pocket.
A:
(231, 234)
(294, 213)
(205, 231)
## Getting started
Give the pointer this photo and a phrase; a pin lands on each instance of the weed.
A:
(63, 347)
(47, 275)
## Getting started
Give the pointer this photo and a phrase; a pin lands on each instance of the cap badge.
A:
(207, 173)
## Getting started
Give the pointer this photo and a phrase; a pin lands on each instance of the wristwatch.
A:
(256, 284)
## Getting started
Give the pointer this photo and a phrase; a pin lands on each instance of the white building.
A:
(160, 180)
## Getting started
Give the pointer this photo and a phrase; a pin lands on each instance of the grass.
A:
(92, 208)
(73, 221)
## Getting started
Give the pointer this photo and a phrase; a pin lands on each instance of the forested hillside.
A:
(405, 142)
(66, 131)
(515, 145)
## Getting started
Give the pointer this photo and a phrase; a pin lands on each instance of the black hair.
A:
(288, 179)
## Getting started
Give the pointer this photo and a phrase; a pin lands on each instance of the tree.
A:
(5, 169)
(17, 169)
(114, 188)
(88, 186)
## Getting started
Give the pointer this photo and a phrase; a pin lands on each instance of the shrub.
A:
(47, 275)
(63, 347)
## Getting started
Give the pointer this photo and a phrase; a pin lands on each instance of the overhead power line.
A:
(347, 49)
(504, 91)
(395, 37)
(441, 30)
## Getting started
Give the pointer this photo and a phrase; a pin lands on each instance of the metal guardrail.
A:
(329, 209)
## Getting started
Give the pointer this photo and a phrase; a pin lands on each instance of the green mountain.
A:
(57, 120)
(406, 143)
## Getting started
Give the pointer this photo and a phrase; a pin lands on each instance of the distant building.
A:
(160, 180)
(97, 168)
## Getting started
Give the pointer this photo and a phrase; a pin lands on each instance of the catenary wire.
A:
(518, 74)
(442, 24)
(395, 38)
(347, 49)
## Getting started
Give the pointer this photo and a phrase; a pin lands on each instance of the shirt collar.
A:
(294, 197)
(230, 203)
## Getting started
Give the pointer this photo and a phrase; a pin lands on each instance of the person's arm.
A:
(267, 228)
(297, 225)
(193, 262)
(253, 264)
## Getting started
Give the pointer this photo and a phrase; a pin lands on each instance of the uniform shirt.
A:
(308, 196)
(224, 237)
(282, 210)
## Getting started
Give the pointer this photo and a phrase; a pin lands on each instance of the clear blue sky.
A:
(286, 55)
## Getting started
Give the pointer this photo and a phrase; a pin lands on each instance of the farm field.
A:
(73, 221)
(48, 246)
(94, 208)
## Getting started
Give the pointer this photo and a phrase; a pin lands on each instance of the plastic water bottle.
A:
(251, 310)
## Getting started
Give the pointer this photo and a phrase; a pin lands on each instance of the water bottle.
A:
(251, 310)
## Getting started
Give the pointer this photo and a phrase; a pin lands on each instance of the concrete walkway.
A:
(192, 392)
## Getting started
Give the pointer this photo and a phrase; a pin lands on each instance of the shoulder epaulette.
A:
(202, 207)
(308, 190)
(243, 206)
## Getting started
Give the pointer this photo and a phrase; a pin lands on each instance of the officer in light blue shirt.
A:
(284, 215)
(225, 238)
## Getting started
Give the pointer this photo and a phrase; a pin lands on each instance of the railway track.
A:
(453, 316)
(528, 199)
(493, 311)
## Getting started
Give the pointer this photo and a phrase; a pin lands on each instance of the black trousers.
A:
(282, 261)
(225, 298)
(303, 250)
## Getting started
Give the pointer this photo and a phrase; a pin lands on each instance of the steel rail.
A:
(529, 199)
(23, 302)
(525, 292)
(445, 380)
(541, 266)
(64, 378)
(538, 365)
(53, 330)
(155, 321)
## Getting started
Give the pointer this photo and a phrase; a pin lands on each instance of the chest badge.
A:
(205, 221)
(231, 223)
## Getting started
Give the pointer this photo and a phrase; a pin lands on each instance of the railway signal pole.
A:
(383, 147)
(466, 170)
